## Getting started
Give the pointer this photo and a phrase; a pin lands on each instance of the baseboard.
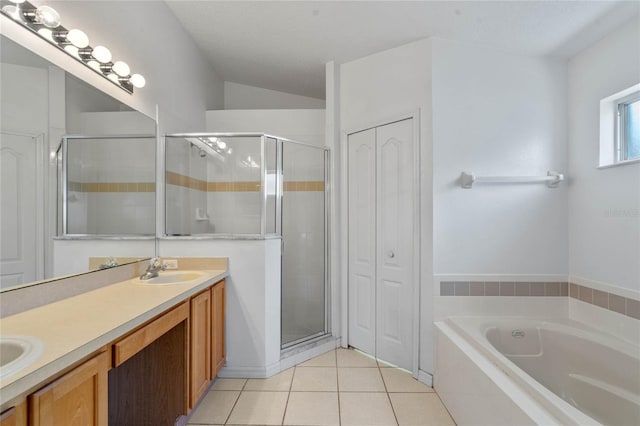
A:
(425, 378)
(249, 372)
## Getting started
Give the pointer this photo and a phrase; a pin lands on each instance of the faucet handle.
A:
(154, 262)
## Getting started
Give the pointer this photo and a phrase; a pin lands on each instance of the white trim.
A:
(425, 378)
(344, 217)
(619, 163)
(250, 372)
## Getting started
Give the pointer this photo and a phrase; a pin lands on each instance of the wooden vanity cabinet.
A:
(16, 416)
(200, 335)
(77, 398)
(218, 301)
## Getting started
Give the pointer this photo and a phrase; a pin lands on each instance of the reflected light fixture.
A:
(45, 22)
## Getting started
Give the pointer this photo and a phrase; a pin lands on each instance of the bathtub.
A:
(517, 371)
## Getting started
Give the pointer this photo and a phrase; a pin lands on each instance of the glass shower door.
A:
(304, 288)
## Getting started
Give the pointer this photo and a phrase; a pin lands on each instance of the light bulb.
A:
(138, 81)
(222, 144)
(13, 11)
(94, 64)
(46, 33)
(17, 1)
(101, 54)
(113, 77)
(78, 38)
(121, 68)
(72, 50)
(213, 139)
(47, 16)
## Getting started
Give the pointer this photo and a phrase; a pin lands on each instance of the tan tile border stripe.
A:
(612, 302)
(111, 186)
(178, 179)
(307, 186)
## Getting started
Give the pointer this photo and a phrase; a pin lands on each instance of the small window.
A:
(620, 128)
(628, 129)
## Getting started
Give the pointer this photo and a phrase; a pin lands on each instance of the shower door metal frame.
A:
(327, 288)
(278, 212)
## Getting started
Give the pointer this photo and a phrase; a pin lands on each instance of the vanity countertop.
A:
(74, 328)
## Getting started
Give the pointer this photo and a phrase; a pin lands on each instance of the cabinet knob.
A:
(391, 254)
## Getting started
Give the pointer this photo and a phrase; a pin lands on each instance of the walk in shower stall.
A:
(249, 185)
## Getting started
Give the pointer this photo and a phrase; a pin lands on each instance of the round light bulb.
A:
(17, 1)
(101, 54)
(78, 38)
(47, 16)
(13, 11)
(113, 77)
(46, 33)
(94, 64)
(222, 144)
(72, 50)
(138, 81)
(121, 68)
(213, 139)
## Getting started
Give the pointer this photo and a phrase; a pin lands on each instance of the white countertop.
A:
(76, 327)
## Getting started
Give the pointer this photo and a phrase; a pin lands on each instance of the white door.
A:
(18, 210)
(362, 234)
(381, 242)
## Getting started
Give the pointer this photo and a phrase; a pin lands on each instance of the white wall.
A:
(498, 114)
(303, 125)
(375, 90)
(604, 218)
(253, 300)
(241, 96)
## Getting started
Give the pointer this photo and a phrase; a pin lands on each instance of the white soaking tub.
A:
(516, 371)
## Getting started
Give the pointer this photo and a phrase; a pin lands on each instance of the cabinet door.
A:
(200, 345)
(77, 398)
(219, 312)
(16, 416)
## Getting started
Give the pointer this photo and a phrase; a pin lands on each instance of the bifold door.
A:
(381, 242)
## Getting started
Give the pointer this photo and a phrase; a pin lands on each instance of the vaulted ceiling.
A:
(283, 45)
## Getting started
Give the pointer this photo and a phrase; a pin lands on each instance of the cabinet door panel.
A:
(219, 312)
(200, 345)
(77, 398)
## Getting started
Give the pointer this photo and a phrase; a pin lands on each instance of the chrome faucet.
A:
(152, 270)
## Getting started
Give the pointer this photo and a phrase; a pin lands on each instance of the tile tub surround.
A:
(610, 301)
(503, 288)
(340, 387)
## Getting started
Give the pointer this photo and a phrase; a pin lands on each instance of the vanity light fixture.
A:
(45, 22)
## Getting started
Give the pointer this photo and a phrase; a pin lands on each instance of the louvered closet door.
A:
(381, 242)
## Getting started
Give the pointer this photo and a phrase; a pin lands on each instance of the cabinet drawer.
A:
(143, 337)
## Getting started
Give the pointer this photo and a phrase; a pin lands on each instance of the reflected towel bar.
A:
(552, 179)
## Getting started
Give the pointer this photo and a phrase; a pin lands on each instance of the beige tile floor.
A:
(341, 387)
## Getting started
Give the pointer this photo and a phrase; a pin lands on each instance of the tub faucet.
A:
(152, 270)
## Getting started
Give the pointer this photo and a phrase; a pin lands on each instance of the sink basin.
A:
(175, 277)
(17, 352)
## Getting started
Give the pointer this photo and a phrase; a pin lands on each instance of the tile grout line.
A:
(286, 404)
(335, 354)
(393, 410)
(236, 401)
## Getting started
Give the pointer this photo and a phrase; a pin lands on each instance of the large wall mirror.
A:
(77, 173)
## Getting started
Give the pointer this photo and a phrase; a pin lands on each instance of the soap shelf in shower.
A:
(552, 179)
